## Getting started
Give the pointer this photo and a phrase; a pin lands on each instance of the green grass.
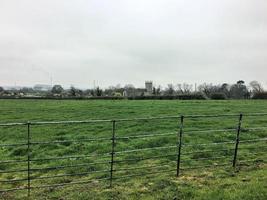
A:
(248, 181)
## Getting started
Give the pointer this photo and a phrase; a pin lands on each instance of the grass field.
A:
(247, 181)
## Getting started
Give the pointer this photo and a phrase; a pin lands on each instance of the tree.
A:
(256, 87)
(207, 89)
(130, 90)
(74, 92)
(57, 89)
(240, 82)
(214, 91)
(239, 90)
(170, 89)
(98, 92)
(225, 88)
(184, 88)
(158, 90)
(1, 89)
(179, 88)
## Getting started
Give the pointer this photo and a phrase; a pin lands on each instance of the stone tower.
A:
(149, 87)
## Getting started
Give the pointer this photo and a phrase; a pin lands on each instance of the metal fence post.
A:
(28, 157)
(237, 139)
(179, 145)
(112, 151)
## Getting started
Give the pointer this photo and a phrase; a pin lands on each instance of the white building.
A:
(42, 87)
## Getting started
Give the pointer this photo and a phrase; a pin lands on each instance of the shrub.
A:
(170, 97)
(260, 95)
(218, 96)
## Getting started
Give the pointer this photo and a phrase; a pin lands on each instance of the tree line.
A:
(239, 90)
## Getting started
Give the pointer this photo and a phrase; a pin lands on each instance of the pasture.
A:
(206, 158)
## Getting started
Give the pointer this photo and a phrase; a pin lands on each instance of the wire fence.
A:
(119, 150)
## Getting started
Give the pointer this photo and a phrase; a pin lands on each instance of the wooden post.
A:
(237, 139)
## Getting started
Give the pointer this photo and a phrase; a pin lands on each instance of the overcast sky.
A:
(130, 41)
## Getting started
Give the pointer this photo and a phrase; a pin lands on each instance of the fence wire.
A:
(183, 154)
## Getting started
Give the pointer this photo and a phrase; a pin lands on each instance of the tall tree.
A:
(57, 89)
(98, 92)
(239, 90)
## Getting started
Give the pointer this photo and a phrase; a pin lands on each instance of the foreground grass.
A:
(203, 183)
(49, 110)
(248, 184)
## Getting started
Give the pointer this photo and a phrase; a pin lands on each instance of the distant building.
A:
(149, 87)
(124, 93)
(42, 87)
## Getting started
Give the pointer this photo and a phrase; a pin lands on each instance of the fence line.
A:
(129, 119)
(114, 155)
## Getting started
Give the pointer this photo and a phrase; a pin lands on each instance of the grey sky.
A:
(130, 41)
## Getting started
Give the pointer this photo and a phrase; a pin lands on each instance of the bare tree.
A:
(187, 88)
(256, 87)
(206, 88)
(156, 90)
(170, 89)
(179, 88)
(130, 89)
(184, 88)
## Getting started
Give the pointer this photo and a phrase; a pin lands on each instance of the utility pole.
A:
(51, 80)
